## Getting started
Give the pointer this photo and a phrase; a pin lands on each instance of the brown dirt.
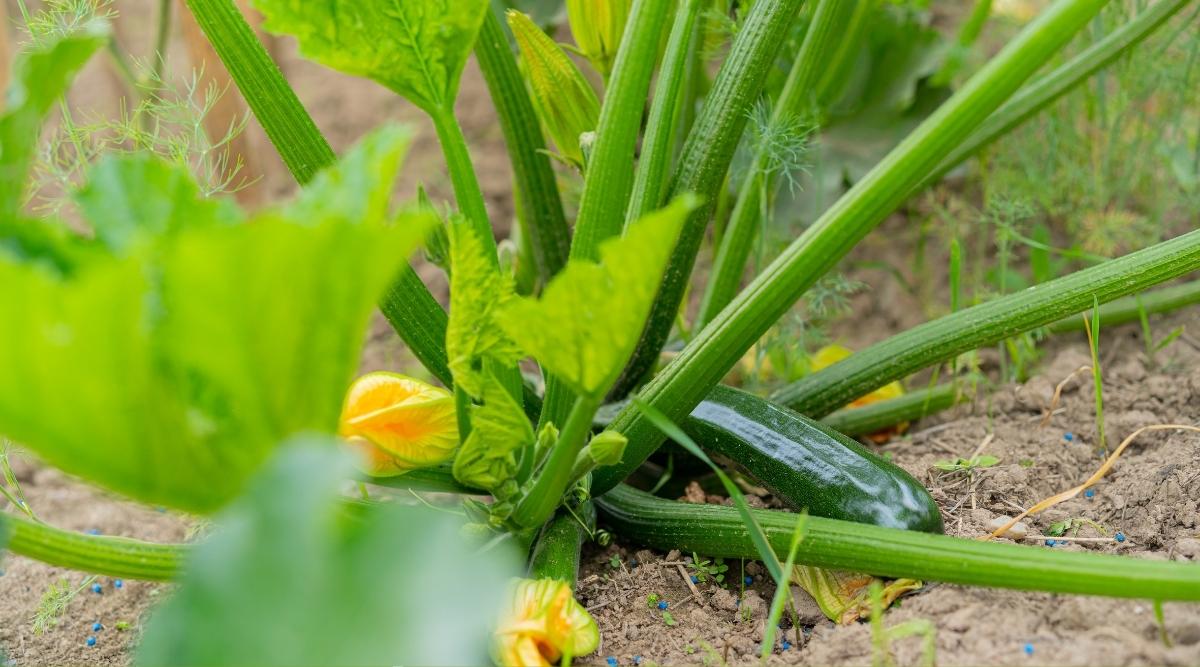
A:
(70, 504)
(1152, 497)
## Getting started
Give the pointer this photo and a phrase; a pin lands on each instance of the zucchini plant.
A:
(198, 344)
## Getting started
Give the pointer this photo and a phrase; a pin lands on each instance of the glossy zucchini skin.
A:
(809, 465)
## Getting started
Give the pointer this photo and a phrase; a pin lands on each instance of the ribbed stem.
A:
(875, 417)
(275, 105)
(717, 530)
(609, 178)
(408, 305)
(716, 348)
(543, 221)
(1129, 309)
(943, 339)
(799, 94)
(705, 160)
(658, 146)
(111, 556)
(556, 552)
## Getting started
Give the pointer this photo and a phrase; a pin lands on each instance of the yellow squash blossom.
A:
(597, 26)
(398, 423)
(542, 623)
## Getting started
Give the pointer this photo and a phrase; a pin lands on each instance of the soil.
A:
(1151, 497)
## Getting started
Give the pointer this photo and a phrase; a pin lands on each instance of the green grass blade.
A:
(545, 225)
(944, 338)
(706, 156)
(683, 383)
(827, 29)
(719, 531)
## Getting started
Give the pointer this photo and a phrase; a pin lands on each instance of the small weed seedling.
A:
(704, 570)
(967, 465)
(54, 603)
(1073, 525)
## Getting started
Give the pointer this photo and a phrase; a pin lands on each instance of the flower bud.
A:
(563, 99)
(597, 26)
(398, 423)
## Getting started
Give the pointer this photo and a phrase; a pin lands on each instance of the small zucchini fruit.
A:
(808, 465)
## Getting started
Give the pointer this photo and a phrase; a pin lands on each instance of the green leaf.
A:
(417, 48)
(500, 431)
(290, 577)
(478, 292)
(40, 77)
(588, 320)
(169, 374)
(140, 196)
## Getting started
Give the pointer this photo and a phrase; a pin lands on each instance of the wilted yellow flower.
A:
(831, 354)
(563, 99)
(398, 423)
(844, 596)
(542, 623)
(597, 26)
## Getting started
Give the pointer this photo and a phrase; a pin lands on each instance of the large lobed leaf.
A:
(168, 372)
(415, 47)
(589, 318)
(291, 577)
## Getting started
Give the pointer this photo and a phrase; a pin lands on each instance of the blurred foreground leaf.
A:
(290, 577)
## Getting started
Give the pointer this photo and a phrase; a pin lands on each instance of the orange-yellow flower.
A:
(830, 355)
(398, 423)
(542, 623)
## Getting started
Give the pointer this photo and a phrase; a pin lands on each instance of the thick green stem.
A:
(658, 146)
(1129, 309)
(556, 552)
(705, 160)
(544, 224)
(943, 339)
(111, 556)
(554, 477)
(799, 95)
(275, 105)
(875, 417)
(609, 179)
(718, 530)
(716, 348)
(467, 192)
(1046, 89)
(408, 305)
